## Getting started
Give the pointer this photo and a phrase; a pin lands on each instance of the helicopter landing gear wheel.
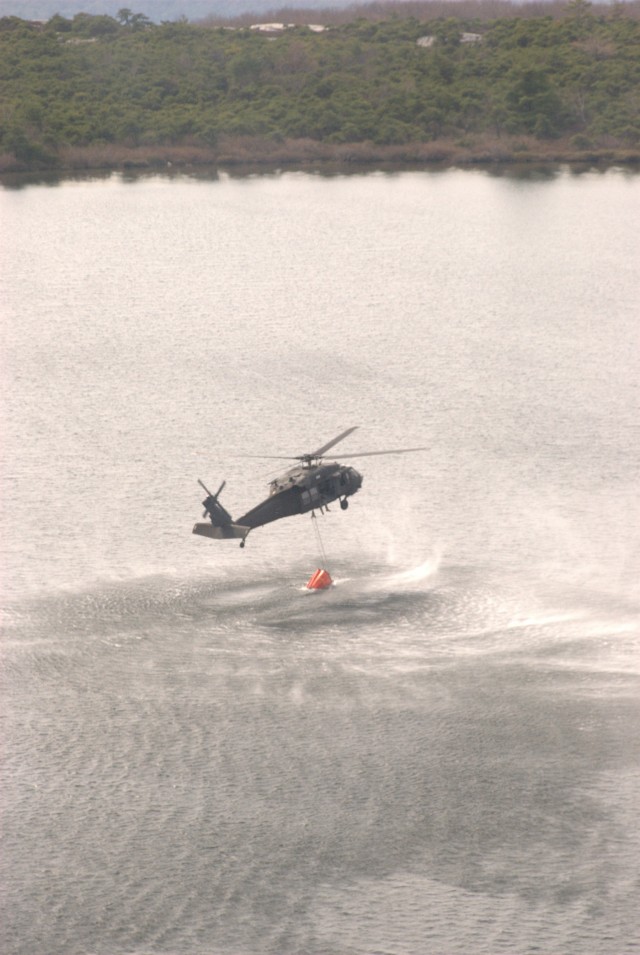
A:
(344, 504)
(242, 543)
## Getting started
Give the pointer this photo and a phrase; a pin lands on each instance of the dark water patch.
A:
(223, 779)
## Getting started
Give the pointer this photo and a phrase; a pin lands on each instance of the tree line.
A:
(96, 81)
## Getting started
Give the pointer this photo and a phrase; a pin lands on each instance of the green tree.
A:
(532, 103)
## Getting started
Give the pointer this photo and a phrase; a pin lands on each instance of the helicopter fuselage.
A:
(302, 489)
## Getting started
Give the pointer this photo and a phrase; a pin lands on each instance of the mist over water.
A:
(440, 754)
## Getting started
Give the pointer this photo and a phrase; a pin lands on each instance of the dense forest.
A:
(99, 90)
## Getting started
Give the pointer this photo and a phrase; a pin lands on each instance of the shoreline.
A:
(261, 153)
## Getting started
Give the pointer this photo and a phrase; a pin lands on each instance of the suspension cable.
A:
(316, 528)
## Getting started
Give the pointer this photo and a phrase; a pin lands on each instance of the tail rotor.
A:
(212, 508)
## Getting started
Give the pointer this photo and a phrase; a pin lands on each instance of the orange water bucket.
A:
(319, 580)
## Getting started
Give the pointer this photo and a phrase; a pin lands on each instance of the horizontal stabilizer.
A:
(221, 533)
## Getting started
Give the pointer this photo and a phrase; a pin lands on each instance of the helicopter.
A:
(311, 484)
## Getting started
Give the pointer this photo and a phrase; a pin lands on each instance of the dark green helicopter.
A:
(310, 485)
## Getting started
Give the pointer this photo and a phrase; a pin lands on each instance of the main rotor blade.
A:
(321, 451)
(272, 457)
(325, 447)
(303, 457)
(370, 454)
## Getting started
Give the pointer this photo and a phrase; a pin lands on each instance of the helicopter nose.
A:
(356, 479)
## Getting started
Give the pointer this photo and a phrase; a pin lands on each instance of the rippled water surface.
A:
(441, 753)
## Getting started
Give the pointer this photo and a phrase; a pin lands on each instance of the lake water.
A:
(439, 755)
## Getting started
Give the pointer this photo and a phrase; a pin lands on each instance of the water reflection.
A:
(517, 171)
